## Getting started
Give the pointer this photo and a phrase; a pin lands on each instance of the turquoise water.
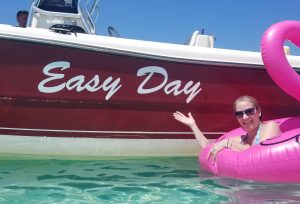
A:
(129, 180)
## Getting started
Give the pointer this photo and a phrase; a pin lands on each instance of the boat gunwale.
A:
(168, 52)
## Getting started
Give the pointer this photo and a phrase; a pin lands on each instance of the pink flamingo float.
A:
(277, 159)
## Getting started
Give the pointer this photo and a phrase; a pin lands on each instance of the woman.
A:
(248, 114)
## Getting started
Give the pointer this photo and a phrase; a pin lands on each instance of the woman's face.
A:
(247, 115)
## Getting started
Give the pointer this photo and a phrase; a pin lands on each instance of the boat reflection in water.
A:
(66, 91)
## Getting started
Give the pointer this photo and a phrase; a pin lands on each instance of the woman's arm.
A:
(190, 122)
(234, 143)
(269, 130)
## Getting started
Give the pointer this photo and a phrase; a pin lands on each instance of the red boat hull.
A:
(80, 100)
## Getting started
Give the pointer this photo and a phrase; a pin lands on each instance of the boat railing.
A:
(68, 13)
(89, 14)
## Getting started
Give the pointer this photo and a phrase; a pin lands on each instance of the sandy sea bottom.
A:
(129, 180)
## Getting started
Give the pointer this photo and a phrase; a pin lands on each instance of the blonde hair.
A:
(246, 98)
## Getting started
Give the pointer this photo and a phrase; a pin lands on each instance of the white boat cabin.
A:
(64, 15)
(80, 16)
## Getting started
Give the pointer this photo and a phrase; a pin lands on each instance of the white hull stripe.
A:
(108, 132)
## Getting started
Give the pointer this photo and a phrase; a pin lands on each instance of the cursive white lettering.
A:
(53, 76)
(151, 70)
(174, 87)
(56, 81)
(77, 82)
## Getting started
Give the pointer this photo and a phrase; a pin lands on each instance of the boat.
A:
(65, 91)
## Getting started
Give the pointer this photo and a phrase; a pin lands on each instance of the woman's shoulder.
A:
(270, 129)
(270, 124)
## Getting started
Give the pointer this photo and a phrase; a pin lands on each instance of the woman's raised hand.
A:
(189, 121)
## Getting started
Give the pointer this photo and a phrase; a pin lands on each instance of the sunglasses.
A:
(248, 112)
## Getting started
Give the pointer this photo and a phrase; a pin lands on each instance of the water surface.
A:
(129, 180)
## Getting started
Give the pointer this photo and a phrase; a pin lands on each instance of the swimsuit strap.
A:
(257, 137)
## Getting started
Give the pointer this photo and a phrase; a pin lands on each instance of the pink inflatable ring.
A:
(274, 160)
